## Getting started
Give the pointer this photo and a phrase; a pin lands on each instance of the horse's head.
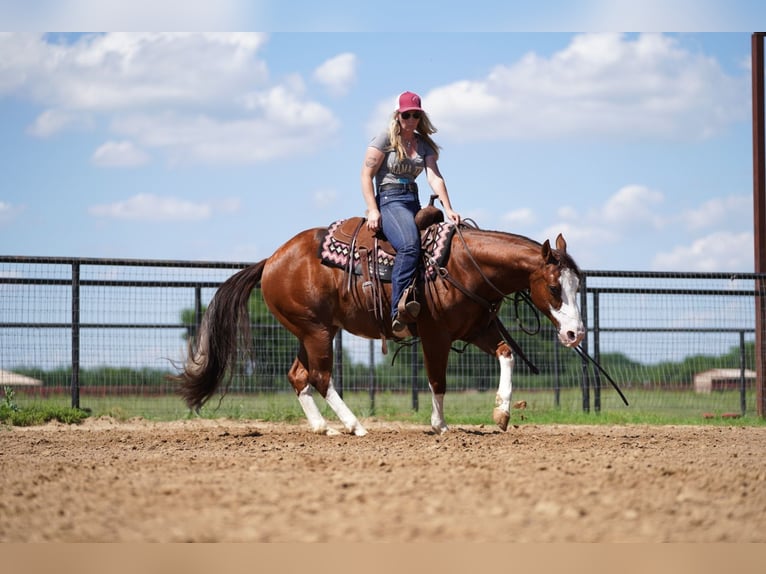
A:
(553, 288)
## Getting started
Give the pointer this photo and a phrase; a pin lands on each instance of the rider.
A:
(394, 159)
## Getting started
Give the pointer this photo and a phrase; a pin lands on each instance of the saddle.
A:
(349, 245)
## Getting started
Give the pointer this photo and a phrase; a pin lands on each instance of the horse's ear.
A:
(546, 251)
(561, 243)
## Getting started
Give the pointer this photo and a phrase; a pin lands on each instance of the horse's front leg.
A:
(502, 413)
(435, 354)
(437, 408)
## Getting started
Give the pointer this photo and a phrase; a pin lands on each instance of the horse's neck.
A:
(507, 260)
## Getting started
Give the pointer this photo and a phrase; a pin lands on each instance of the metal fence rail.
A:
(117, 326)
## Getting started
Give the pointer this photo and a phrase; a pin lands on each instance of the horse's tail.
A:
(225, 325)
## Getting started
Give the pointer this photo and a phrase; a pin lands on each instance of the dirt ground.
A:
(223, 480)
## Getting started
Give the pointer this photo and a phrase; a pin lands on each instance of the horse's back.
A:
(294, 273)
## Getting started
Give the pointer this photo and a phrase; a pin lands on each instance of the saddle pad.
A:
(336, 246)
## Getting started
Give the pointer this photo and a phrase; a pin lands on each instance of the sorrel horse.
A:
(313, 300)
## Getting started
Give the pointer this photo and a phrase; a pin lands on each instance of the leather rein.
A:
(493, 307)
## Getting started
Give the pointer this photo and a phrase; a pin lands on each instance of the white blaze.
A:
(571, 329)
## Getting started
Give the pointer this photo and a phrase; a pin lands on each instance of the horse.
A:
(459, 301)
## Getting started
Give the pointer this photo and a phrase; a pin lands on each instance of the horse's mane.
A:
(563, 257)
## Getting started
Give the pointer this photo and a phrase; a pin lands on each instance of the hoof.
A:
(359, 430)
(501, 418)
(327, 431)
(440, 429)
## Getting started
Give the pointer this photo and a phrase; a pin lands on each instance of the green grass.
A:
(36, 413)
(469, 408)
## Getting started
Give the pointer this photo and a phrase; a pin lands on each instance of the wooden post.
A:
(759, 210)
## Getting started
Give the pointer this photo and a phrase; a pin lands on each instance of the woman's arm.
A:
(439, 187)
(372, 160)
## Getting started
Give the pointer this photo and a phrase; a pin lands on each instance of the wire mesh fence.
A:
(94, 332)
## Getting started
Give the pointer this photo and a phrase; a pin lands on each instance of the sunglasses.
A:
(408, 115)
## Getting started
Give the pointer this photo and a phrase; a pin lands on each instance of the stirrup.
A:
(398, 326)
(409, 310)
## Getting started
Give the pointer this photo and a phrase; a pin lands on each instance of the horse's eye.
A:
(555, 290)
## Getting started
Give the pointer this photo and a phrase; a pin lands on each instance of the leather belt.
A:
(413, 187)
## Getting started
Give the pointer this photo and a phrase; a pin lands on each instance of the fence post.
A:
(584, 345)
(372, 376)
(759, 212)
(338, 379)
(596, 355)
(75, 383)
(742, 381)
(414, 377)
(556, 371)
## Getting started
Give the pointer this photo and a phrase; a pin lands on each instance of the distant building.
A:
(9, 379)
(721, 380)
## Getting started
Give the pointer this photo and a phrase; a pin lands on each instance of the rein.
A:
(493, 308)
(579, 350)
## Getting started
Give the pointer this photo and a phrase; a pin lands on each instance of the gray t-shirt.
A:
(393, 171)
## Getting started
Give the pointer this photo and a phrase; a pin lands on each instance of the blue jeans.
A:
(397, 213)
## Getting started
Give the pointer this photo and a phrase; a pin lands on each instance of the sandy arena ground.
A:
(222, 480)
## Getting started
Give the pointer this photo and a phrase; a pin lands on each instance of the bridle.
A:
(494, 307)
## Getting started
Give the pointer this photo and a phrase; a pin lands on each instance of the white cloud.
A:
(606, 235)
(325, 197)
(51, 122)
(605, 85)
(678, 15)
(150, 207)
(243, 140)
(338, 73)
(718, 211)
(8, 211)
(135, 15)
(567, 212)
(631, 206)
(194, 97)
(721, 252)
(119, 154)
(523, 216)
(118, 71)
(582, 234)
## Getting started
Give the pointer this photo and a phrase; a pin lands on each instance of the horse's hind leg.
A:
(304, 381)
(344, 413)
(298, 377)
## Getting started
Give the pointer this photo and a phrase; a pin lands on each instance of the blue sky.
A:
(637, 146)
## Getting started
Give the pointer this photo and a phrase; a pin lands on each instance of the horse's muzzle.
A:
(571, 338)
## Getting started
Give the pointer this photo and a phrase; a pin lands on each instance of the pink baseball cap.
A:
(409, 101)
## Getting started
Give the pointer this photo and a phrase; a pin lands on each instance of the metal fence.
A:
(80, 328)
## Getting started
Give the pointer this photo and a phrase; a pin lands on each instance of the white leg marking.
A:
(344, 413)
(310, 409)
(505, 388)
(437, 413)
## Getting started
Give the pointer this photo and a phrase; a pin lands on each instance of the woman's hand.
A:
(373, 220)
(453, 216)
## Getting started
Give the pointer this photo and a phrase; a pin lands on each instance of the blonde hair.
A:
(425, 129)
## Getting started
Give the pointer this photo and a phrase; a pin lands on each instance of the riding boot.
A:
(408, 310)
(406, 313)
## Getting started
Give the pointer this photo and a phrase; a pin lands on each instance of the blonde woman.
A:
(393, 161)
